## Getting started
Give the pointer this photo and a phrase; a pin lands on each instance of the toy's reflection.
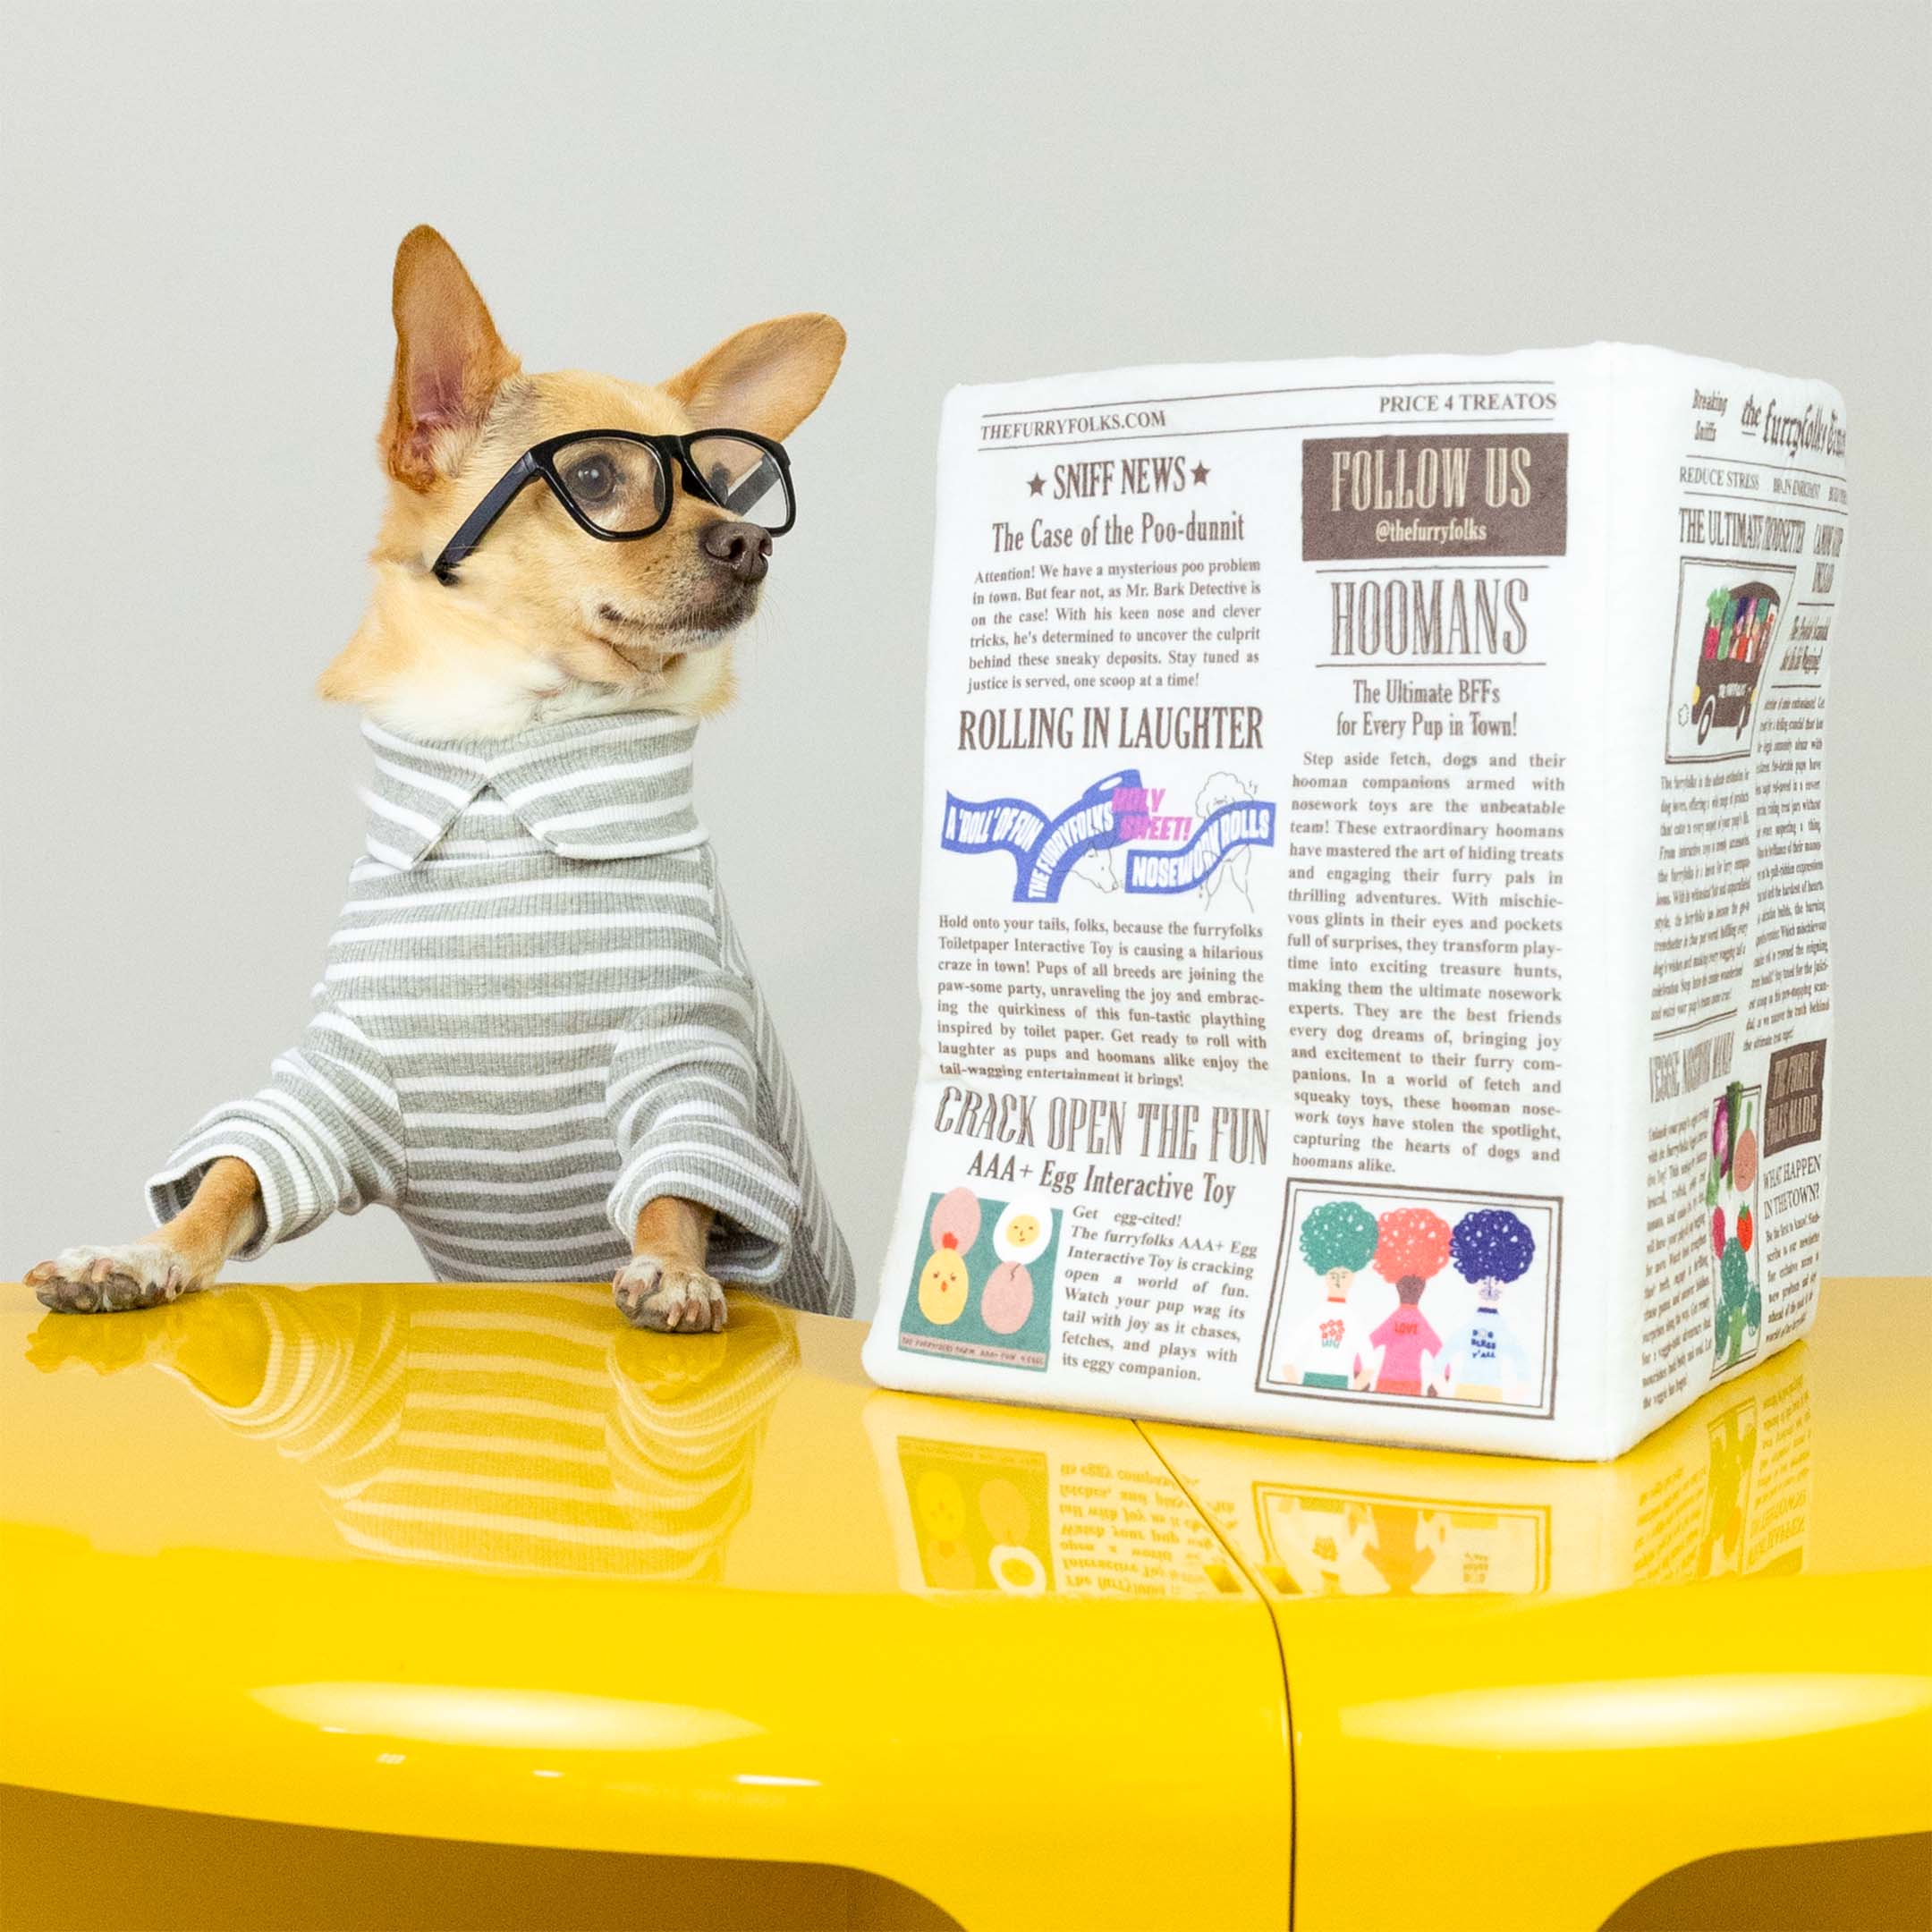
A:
(523, 1428)
(527, 1428)
(1025, 1503)
(1722, 1491)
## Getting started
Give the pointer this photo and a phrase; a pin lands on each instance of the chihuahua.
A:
(537, 1037)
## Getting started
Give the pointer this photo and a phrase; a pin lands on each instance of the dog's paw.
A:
(662, 1295)
(88, 1281)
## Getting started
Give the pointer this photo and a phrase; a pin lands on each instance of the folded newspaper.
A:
(1373, 939)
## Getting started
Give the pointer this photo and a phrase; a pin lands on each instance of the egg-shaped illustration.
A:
(1008, 1299)
(955, 1219)
(941, 1504)
(1745, 1162)
(1003, 1510)
(1023, 1232)
(950, 1567)
(1717, 1232)
(944, 1286)
(1016, 1570)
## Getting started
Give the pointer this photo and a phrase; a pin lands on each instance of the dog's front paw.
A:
(87, 1281)
(663, 1295)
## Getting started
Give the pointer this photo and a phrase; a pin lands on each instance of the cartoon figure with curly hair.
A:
(1329, 1350)
(1483, 1361)
(1412, 1245)
(1738, 1311)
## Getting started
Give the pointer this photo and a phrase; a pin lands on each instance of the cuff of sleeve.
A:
(290, 1204)
(754, 1200)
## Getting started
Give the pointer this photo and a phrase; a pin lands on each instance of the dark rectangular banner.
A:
(1794, 1098)
(1415, 498)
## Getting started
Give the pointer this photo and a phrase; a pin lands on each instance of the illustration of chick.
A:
(940, 1504)
(943, 1284)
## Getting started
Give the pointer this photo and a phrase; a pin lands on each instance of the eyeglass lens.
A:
(621, 487)
(748, 482)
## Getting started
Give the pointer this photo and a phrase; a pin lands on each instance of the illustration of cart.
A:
(1739, 623)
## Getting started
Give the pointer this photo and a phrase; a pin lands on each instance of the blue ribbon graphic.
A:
(1245, 822)
(1044, 850)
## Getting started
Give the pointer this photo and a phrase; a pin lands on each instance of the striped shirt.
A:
(535, 1019)
(522, 1428)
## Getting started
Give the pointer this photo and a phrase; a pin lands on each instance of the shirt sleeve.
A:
(328, 1382)
(683, 1106)
(324, 1137)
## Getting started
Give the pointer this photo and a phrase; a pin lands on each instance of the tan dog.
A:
(547, 627)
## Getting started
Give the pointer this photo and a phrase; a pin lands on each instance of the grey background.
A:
(200, 207)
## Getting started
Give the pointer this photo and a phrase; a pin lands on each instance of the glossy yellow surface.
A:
(1534, 1687)
(483, 1564)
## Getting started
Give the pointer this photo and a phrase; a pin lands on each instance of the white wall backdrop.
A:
(200, 206)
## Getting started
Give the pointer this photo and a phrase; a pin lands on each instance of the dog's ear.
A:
(449, 362)
(768, 377)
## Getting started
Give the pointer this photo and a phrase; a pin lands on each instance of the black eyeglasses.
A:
(617, 484)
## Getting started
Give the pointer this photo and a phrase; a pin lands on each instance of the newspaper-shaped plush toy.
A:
(1373, 936)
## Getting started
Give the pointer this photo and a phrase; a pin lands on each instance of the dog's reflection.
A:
(523, 1428)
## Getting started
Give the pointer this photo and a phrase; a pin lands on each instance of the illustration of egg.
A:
(1717, 1232)
(1745, 1162)
(1016, 1570)
(1008, 1299)
(955, 1219)
(944, 1286)
(1003, 1510)
(1023, 1232)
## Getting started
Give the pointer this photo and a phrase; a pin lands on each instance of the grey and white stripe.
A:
(536, 1017)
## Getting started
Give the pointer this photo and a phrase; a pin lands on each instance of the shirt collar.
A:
(608, 787)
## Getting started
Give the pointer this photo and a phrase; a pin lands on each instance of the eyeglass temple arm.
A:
(476, 525)
(748, 492)
(750, 488)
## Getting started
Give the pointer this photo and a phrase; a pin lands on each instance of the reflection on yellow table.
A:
(483, 1565)
(1599, 1672)
(1025, 1503)
(497, 1428)
(1714, 1494)
(1016, 1501)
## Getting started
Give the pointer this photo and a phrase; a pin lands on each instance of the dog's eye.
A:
(591, 480)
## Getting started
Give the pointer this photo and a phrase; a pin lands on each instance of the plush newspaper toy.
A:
(1373, 932)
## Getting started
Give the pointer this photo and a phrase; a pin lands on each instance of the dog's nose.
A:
(743, 548)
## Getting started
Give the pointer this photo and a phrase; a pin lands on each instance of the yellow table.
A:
(414, 1606)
